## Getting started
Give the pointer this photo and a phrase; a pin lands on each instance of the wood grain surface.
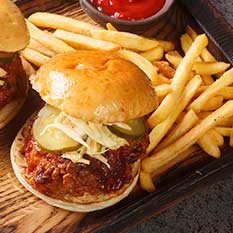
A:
(20, 211)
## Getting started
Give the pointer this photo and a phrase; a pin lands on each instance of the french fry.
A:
(55, 21)
(160, 130)
(179, 81)
(35, 45)
(210, 68)
(207, 143)
(224, 131)
(125, 39)
(186, 123)
(48, 40)
(182, 72)
(205, 55)
(142, 63)
(158, 160)
(203, 115)
(34, 57)
(212, 90)
(110, 27)
(84, 42)
(191, 32)
(227, 122)
(207, 79)
(162, 89)
(154, 54)
(161, 80)
(174, 58)
(226, 93)
(217, 137)
(212, 104)
(164, 68)
(166, 45)
(27, 67)
(146, 182)
(186, 42)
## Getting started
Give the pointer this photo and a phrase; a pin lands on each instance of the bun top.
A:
(95, 86)
(14, 35)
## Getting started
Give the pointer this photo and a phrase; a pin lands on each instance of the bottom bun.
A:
(77, 204)
(9, 111)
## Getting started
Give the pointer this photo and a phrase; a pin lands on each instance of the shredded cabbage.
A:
(95, 139)
(97, 132)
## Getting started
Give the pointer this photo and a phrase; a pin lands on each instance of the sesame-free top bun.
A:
(95, 86)
(14, 35)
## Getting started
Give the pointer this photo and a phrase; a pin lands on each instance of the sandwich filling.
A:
(66, 155)
(12, 80)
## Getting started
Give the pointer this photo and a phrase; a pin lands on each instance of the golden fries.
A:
(166, 45)
(207, 143)
(210, 143)
(205, 55)
(186, 42)
(110, 27)
(154, 54)
(27, 67)
(226, 93)
(185, 67)
(207, 79)
(186, 123)
(218, 138)
(212, 104)
(55, 21)
(84, 42)
(142, 63)
(160, 130)
(210, 68)
(179, 81)
(48, 40)
(34, 57)
(224, 131)
(174, 58)
(35, 45)
(146, 182)
(228, 122)
(191, 32)
(125, 39)
(212, 90)
(159, 159)
(162, 90)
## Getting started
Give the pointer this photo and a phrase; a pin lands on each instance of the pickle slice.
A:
(137, 127)
(48, 137)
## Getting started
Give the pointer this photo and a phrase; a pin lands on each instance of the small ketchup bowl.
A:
(135, 26)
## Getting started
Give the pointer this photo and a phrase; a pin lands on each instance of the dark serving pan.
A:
(20, 211)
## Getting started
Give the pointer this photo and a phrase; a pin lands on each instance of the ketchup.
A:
(129, 9)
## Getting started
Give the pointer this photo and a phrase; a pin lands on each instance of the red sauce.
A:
(57, 177)
(129, 9)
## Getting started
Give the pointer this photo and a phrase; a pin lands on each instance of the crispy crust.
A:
(10, 110)
(85, 203)
(95, 86)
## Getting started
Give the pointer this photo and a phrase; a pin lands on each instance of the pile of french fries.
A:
(195, 90)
